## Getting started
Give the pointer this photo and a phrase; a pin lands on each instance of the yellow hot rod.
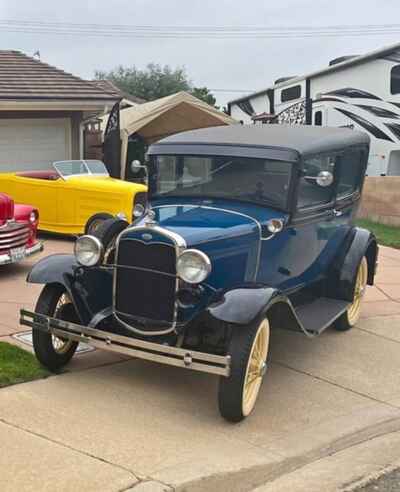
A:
(75, 196)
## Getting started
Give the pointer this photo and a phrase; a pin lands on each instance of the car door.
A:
(299, 248)
(291, 258)
(348, 169)
(40, 193)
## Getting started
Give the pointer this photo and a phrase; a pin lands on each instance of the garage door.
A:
(33, 143)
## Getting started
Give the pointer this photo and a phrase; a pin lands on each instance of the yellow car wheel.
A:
(248, 350)
(350, 317)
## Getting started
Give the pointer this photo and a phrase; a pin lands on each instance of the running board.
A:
(156, 352)
(320, 314)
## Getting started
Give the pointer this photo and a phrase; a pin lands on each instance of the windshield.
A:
(88, 167)
(263, 181)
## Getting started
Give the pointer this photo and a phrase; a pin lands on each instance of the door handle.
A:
(337, 213)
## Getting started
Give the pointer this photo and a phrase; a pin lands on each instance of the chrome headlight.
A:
(88, 250)
(193, 266)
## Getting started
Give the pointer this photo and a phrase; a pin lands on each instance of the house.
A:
(127, 100)
(358, 92)
(42, 112)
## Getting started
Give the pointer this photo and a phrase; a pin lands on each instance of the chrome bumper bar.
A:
(173, 356)
(8, 258)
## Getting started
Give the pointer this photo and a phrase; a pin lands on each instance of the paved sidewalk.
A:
(130, 423)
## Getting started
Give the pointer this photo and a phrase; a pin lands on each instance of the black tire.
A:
(95, 221)
(43, 344)
(231, 389)
(349, 318)
(107, 233)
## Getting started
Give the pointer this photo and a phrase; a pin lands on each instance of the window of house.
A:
(395, 80)
(291, 93)
(349, 173)
(310, 193)
(318, 118)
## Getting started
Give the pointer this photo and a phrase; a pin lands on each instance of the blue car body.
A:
(268, 214)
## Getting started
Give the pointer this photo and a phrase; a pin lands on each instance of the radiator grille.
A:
(145, 283)
(14, 236)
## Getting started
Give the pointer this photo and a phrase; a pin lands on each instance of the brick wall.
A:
(381, 200)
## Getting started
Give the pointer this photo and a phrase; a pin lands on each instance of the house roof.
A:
(25, 78)
(356, 60)
(109, 86)
(300, 139)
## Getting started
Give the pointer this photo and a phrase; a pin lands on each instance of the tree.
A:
(204, 94)
(154, 82)
(149, 84)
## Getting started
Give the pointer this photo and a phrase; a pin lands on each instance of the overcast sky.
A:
(218, 64)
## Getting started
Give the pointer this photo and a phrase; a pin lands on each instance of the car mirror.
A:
(136, 166)
(323, 179)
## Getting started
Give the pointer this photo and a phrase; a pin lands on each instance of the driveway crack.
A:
(67, 446)
(319, 378)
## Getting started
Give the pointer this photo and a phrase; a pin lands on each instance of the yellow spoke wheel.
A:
(248, 350)
(349, 318)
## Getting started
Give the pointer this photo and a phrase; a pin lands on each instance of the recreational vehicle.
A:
(354, 92)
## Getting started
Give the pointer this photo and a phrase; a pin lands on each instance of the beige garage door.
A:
(33, 143)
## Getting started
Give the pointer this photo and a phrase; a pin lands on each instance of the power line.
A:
(240, 91)
(203, 28)
(194, 32)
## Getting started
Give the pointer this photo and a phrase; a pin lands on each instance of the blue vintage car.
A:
(248, 229)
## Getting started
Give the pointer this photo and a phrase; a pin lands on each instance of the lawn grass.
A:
(386, 235)
(18, 365)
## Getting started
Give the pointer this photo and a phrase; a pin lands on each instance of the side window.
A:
(311, 194)
(318, 118)
(349, 173)
(291, 93)
(395, 80)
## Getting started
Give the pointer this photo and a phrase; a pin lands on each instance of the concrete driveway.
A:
(112, 423)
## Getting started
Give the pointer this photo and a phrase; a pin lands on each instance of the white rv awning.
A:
(166, 116)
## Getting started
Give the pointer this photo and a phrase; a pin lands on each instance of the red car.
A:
(18, 227)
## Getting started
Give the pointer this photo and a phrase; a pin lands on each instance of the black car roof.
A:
(299, 138)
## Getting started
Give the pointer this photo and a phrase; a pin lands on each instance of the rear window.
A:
(349, 173)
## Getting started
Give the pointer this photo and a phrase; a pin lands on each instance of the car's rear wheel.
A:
(95, 221)
(54, 352)
(248, 349)
(350, 317)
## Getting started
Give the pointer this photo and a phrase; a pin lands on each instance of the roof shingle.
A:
(109, 86)
(23, 77)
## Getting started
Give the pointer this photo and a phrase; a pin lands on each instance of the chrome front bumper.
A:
(164, 354)
(8, 258)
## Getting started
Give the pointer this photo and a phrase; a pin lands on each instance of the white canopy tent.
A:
(166, 116)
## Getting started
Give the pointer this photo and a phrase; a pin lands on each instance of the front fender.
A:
(52, 269)
(90, 289)
(242, 305)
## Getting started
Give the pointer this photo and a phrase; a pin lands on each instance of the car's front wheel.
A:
(248, 349)
(54, 352)
(350, 317)
(95, 221)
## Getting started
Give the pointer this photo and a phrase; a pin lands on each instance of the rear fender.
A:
(90, 289)
(358, 244)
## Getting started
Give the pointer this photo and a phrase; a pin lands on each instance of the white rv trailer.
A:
(358, 92)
